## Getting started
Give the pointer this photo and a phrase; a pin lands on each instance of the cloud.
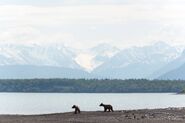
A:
(90, 14)
(129, 23)
(87, 2)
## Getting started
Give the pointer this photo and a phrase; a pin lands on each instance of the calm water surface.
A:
(41, 103)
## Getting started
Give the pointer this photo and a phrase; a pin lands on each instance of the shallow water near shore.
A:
(43, 103)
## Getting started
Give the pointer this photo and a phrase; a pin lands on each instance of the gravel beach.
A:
(168, 115)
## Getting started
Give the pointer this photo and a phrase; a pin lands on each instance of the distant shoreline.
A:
(91, 86)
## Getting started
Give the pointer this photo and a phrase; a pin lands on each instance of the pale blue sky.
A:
(85, 23)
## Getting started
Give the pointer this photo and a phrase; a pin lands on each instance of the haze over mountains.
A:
(138, 62)
(175, 69)
(158, 60)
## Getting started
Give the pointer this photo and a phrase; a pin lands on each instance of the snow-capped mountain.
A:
(173, 70)
(103, 53)
(101, 61)
(36, 61)
(176, 63)
(138, 62)
(94, 57)
(54, 55)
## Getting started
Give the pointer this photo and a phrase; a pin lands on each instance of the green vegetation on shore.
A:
(91, 85)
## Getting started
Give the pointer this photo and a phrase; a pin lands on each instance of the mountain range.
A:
(155, 61)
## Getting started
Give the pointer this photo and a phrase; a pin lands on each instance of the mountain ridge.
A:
(101, 61)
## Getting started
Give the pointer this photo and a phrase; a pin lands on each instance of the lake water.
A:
(42, 103)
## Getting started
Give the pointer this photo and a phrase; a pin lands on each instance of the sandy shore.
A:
(169, 115)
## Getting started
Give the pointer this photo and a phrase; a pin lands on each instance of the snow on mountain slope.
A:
(101, 61)
(55, 55)
(173, 70)
(37, 55)
(94, 57)
(85, 60)
(138, 62)
(102, 53)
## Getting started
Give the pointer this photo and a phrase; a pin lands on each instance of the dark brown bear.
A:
(107, 107)
(77, 109)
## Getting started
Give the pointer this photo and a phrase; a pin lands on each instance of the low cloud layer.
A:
(87, 23)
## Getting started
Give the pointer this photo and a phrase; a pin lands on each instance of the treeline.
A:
(91, 85)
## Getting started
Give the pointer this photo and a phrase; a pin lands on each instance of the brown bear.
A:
(107, 107)
(77, 109)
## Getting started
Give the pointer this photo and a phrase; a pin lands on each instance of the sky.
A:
(86, 23)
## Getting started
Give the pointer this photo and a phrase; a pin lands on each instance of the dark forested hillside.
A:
(91, 86)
